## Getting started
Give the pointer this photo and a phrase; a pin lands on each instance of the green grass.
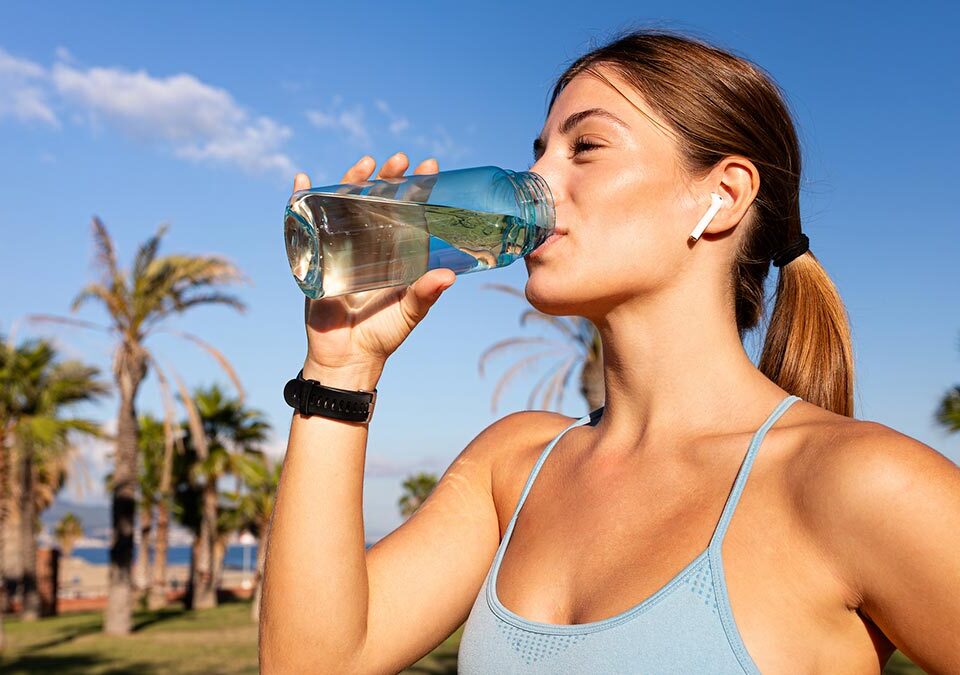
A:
(221, 640)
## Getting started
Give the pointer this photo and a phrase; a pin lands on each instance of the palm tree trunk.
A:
(157, 596)
(12, 554)
(28, 537)
(219, 556)
(117, 619)
(4, 470)
(591, 382)
(143, 554)
(204, 591)
(258, 576)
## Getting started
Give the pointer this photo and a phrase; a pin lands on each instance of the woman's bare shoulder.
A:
(511, 446)
(884, 509)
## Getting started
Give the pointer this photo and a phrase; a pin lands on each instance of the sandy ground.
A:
(81, 579)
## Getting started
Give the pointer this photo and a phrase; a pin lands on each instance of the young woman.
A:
(641, 545)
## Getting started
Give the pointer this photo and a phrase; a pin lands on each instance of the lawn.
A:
(221, 640)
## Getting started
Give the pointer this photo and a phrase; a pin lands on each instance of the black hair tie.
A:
(788, 253)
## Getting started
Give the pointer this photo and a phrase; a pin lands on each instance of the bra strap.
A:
(734, 498)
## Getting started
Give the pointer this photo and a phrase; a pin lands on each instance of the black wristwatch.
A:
(309, 397)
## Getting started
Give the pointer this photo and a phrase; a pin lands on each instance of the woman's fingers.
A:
(360, 171)
(301, 182)
(428, 166)
(394, 167)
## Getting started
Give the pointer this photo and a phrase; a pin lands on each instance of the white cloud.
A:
(350, 121)
(22, 95)
(397, 123)
(64, 56)
(200, 121)
(441, 144)
(192, 119)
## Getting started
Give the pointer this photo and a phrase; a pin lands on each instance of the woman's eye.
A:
(581, 145)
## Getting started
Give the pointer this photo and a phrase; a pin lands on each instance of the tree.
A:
(416, 489)
(948, 413)
(578, 349)
(152, 442)
(38, 388)
(232, 433)
(254, 508)
(138, 302)
(68, 530)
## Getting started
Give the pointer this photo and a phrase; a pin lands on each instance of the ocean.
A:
(180, 555)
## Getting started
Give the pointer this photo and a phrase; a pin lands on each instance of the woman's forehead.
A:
(604, 88)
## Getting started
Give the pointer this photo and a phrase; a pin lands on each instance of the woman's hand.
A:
(349, 337)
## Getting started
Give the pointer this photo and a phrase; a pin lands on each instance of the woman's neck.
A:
(674, 368)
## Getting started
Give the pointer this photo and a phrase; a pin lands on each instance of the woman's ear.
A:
(736, 181)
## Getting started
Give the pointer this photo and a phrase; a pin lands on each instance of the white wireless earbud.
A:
(715, 204)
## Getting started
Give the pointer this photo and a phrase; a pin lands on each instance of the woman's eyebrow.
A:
(539, 144)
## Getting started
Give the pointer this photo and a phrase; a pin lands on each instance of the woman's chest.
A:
(583, 552)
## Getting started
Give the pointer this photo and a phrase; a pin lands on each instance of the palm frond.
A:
(105, 254)
(552, 321)
(218, 356)
(508, 344)
(948, 413)
(504, 288)
(175, 283)
(532, 398)
(555, 388)
(146, 254)
(514, 370)
(66, 321)
(197, 435)
(114, 301)
(169, 424)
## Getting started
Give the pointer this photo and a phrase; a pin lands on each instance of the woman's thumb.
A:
(425, 291)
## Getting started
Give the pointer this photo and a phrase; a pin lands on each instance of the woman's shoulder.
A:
(884, 510)
(512, 446)
(840, 461)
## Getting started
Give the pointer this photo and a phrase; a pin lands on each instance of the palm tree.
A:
(948, 413)
(138, 302)
(152, 443)
(254, 507)
(578, 348)
(68, 530)
(40, 437)
(232, 433)
(416, 489)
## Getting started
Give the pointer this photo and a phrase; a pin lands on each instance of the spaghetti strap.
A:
(738, 484)
(539, 463)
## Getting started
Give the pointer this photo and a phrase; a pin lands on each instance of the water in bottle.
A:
(355, 237)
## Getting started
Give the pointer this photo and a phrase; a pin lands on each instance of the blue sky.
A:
(197, 114)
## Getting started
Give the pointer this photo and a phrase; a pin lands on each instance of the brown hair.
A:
(718, 104)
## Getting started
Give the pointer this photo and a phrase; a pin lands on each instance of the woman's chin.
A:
(550, 298)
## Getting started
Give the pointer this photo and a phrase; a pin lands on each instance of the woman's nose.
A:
(550, 175)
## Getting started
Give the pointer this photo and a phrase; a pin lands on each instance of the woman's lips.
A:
(539, 250)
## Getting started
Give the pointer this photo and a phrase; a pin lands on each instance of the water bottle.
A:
(359, 236)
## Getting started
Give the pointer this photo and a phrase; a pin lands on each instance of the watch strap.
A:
(310, 397)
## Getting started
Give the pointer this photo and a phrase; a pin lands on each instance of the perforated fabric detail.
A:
(533, 647)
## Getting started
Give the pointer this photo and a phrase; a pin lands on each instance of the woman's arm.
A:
(329, 606)
(891, 515)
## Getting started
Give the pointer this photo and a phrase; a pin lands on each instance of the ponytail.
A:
(808, 350)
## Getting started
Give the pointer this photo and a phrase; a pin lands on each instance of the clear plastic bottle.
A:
(359, 236)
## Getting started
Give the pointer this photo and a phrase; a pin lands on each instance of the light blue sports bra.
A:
(685, 627)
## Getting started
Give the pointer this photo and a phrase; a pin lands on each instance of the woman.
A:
(641, 546)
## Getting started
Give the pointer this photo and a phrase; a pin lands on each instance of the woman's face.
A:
(622, 202)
